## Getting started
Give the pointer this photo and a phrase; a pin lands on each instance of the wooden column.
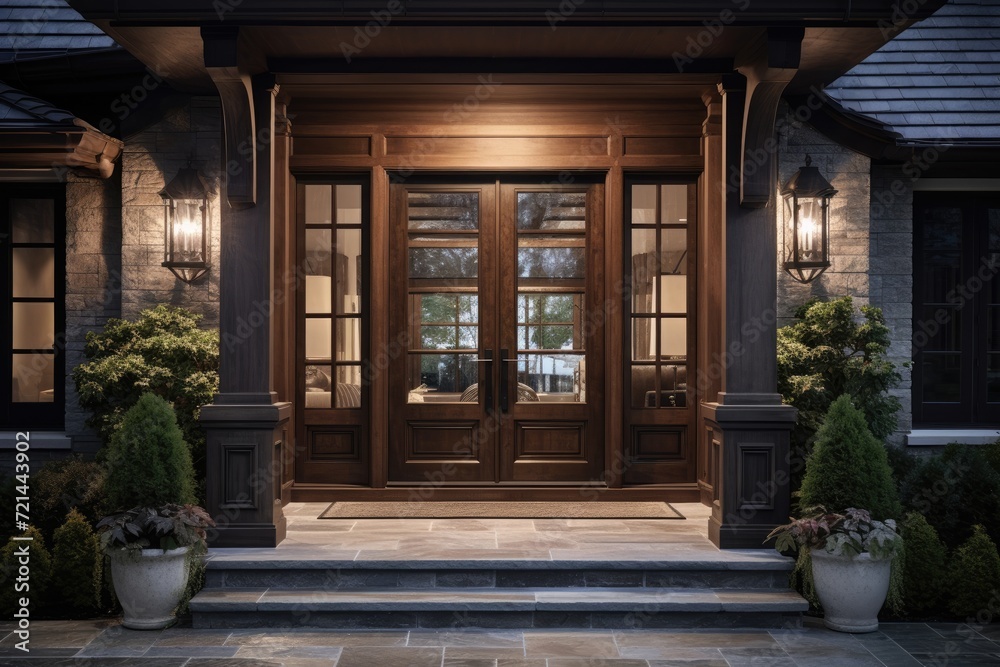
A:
(747, 427)
(711, 288)
(246, 426)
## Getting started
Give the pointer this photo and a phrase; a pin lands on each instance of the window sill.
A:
(39, 440)
(945, 436)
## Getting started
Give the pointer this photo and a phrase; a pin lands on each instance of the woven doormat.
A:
(499, 510)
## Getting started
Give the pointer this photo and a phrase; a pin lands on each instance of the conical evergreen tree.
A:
(849, 467)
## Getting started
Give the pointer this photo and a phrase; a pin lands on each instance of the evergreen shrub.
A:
(149, 464)
(925, 561)
(955, 491)
(848, 467)
(40, 565)
(829, 351)
(974, 580)
(77, 565)
(164, 352)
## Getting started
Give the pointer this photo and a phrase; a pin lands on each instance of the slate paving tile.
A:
(957, 631)
(10, 652)
(596, 662)
(50, 639)
(243, 662)
(82, 662)
(317, 638)
(357, 656)
(957, 660)
(832, 657)
(700, 639)
(583, 644)
(946, 646)
(289, 652)
(191, 652)
(721, 662)
(192, 637)
(887, 650)
(466, 638)
(483, 653)
(483, 662)
(667, 652)
(752, 657)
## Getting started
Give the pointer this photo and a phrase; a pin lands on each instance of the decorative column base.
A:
(749, 456)
(243, 476)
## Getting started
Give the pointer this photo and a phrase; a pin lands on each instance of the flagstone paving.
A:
(100, 643)
(104, 642)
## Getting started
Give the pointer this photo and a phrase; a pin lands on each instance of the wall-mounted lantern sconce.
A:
(806, 232)
(185, 207)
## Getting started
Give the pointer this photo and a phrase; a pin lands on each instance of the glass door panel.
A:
(493, 384)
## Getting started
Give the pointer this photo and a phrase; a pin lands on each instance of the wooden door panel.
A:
(551, 262)
(441, 258)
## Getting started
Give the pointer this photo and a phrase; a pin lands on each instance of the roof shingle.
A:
(46, 25)
(938, 80)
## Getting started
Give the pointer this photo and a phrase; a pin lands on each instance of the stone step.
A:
(495, 607)
(255, 570)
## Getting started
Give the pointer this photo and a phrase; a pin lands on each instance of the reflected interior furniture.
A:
(525, 394)
(673, 387)
(318, 394)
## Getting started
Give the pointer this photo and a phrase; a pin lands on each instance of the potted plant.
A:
(158, 532)
(851, 559)
(848, 468)
(149, 551)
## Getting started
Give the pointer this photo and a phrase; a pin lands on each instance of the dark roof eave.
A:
(69, 72)
(543, 12)
(858, 132)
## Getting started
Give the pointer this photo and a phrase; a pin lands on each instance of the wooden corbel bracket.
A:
(768, 64)
(232, 80)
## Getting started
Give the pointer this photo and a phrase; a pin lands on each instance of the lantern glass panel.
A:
(188, 231)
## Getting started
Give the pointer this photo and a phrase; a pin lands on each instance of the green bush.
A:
(163, 352)
(974, 577)
(77, 565)
(924, 560)
(827, 353)
(848, 467)
(40, 566)
(60, 486)
(955, 490)
(148, 462)
(992, 454)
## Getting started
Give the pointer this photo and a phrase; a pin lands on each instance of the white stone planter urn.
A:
(851, 589)
(149, 585)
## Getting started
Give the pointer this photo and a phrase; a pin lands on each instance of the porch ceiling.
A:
(309, 35)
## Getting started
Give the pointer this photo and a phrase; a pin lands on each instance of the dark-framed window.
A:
(32, 298)
(956, 308)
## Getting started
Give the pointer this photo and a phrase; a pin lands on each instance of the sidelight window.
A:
(659, 294)
(32, 238)
(332, 261)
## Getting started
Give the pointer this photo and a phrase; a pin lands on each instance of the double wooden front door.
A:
(497, 327)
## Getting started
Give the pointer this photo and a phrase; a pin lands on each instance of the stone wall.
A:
(871, 242)
(192, 133)
(849, 172)
(892, 272)
(93, 280)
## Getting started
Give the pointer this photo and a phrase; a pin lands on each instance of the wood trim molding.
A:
(769, 65)
(79, 147)
(222, 62)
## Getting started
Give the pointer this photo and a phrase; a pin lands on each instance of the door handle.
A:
(487, 359)
(504, 391)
